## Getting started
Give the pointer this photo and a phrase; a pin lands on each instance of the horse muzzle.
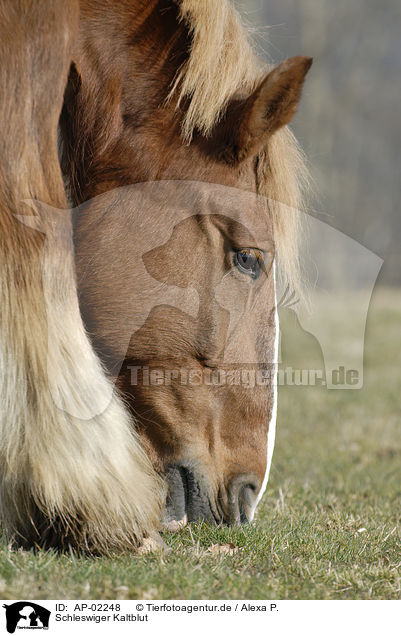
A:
(189, 499)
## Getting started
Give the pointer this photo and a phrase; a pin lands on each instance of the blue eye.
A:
(249, 261)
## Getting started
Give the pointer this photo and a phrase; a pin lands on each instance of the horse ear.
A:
(271, 106)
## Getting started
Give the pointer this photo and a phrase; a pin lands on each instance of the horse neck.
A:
(126, 61)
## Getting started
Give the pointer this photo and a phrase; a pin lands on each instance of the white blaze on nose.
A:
(271, 433)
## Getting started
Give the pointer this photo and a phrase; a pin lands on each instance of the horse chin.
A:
(189, 500)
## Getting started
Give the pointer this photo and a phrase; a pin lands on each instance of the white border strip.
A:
(271, 434)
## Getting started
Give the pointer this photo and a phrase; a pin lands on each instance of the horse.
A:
(150, 94)
(165, 102)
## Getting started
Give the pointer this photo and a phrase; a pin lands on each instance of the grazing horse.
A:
(148, 91)
(176, 274)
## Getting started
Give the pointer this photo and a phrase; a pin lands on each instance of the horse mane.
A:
(222, 64)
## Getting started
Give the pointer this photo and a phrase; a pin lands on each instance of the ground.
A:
(328, 526)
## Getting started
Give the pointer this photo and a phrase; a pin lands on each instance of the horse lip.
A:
(186, 498)
(175, 508)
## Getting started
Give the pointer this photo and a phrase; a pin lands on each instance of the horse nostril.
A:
(241, 500)
(247, 498)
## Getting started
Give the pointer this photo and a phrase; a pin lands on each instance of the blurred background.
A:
(338, 453)
(349, 120)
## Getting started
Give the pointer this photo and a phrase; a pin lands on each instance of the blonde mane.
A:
(221, 64)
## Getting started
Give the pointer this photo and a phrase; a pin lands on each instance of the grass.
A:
(328, 526)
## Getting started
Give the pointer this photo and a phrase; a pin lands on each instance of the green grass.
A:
(328, 526)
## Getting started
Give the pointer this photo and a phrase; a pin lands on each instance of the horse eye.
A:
(249, 261)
